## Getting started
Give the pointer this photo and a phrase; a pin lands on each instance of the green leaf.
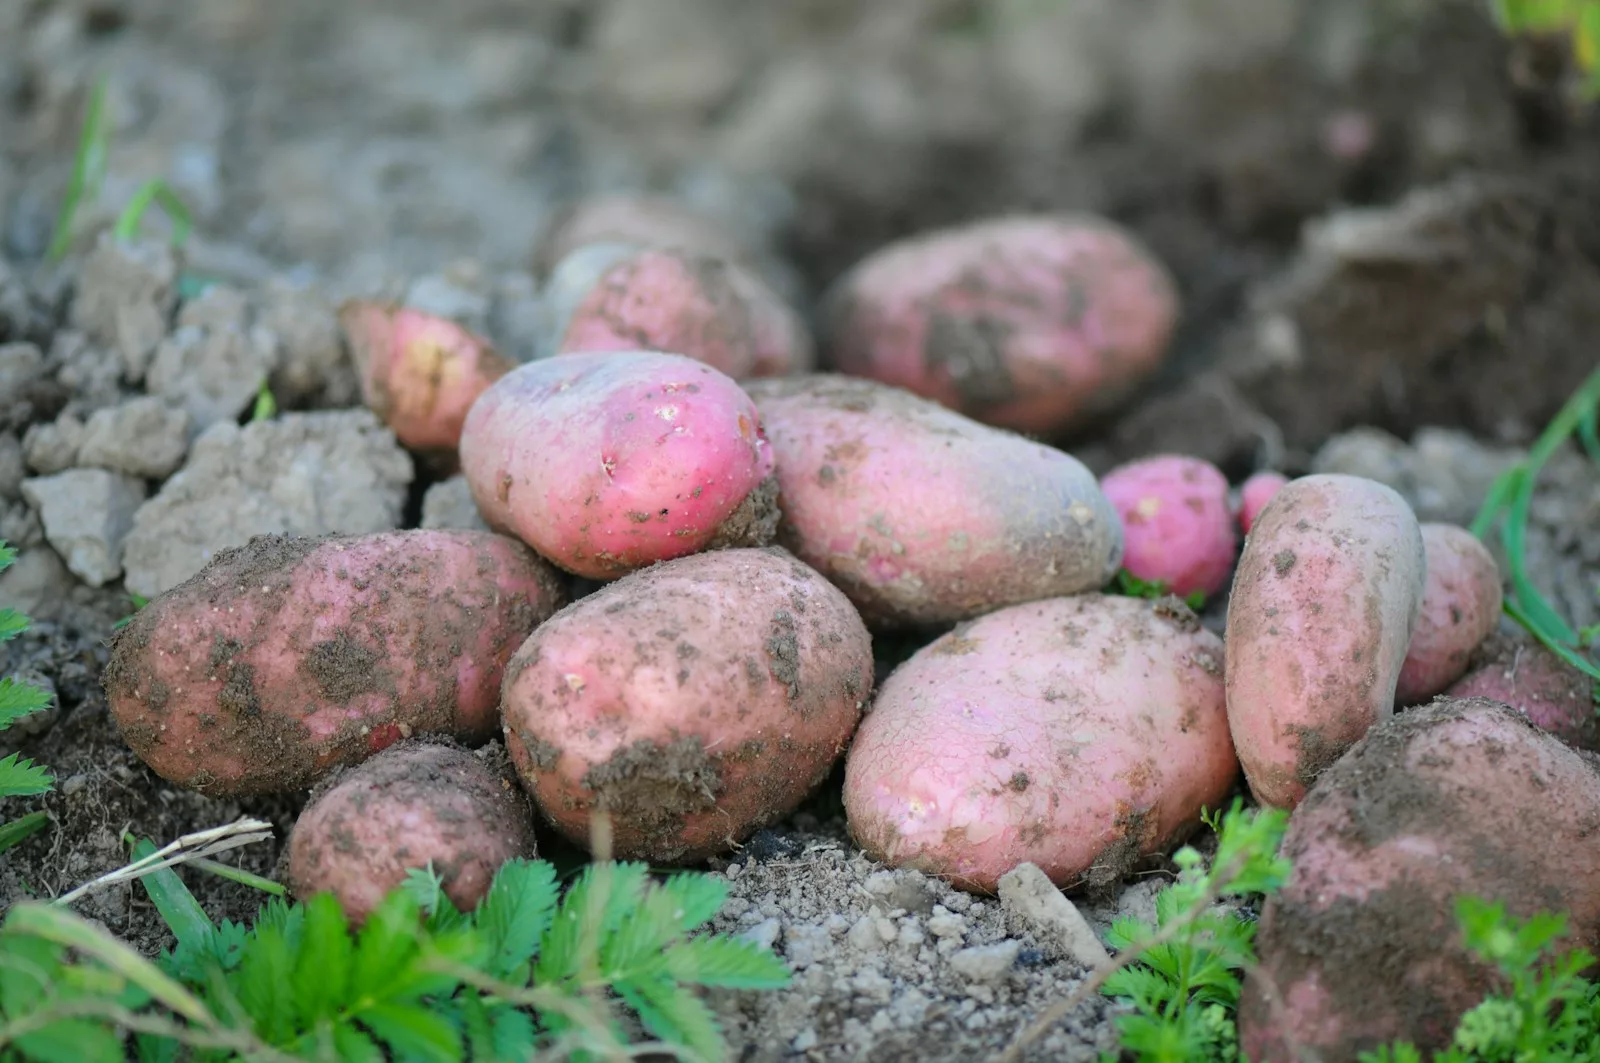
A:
(516, 913)
(88, 167)
(182, 913)
(72, 1041)
(27, 972)
(698, 897)
(354, 1046)
(12, 623)
(675, 1014)
(154, 192)
(322, 966)
(22, 828)
(20, 777)
(20, 699)
(149, 1048)
(513, 1034)
(386, 946)
(8, 555)
(414, 1032)
(727, 962)
(264, 984)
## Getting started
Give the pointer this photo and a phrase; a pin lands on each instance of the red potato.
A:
(1547, 690)
(1031, 323)
(1460, 608)
(1361, 946)
(606, 463)
(650, 221)
(1324, 603)
(623, 297)
(1079, 734)
(923, 516)
(1254, 495)
(693, 702)
(1176, 522)
(419, 373)
(287, 657)
(410, 806)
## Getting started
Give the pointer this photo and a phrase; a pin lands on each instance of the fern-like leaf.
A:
(414, 1033)
(729, 963)
(674, 1014)
(20, 777)
(516, 914)
(698, 897)
(323, 962)
(18, 700)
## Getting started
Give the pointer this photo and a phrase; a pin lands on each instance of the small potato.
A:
(622, 297)
(923, 516)
(287, 657)
(1547, 690)
(1324, 603)
(694, 702)
(1254, 495)
(419, 373)
(605, 463)
(1361, 947)
(1030, 322)
(1176, 522)
(1460, 608)
(412, 805)
(1078, 734)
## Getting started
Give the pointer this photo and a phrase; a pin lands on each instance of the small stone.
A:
(21, 365)
(87, 513)
(125, 296)
(863, 936)
(13, 467)
(37, 583)
(805, 1040)
(1033, 903)
(19, 525)
(764, 934)
(449, 504)
(53, 447)
(214, 364)
(312, 365)
(946, 924)
(74, 784)
(142, 437)
(986, 963)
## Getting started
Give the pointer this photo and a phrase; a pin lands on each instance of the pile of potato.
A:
(752, 522)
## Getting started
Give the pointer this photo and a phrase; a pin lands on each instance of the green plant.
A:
(138, 601)
(1579, 20)
(1132, 586)
(266, 404)
(19, 777)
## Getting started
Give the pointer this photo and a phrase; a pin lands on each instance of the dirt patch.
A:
(651, 788)
(754, 522)
(342, 668)
(971, 352)
(783, 653)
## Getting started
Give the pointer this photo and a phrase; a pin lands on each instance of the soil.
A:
(1380, 214)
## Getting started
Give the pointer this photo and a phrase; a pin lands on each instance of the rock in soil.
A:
(87, 514)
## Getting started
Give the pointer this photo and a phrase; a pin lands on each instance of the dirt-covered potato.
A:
(1460, 608)
(1028, 322)
(694, 701)
(1324, 602)
(1079, 734)
(413, 805)
(289, 656)
(1547, 690)
(1177, 527)
(1361, 947)
(923, 516)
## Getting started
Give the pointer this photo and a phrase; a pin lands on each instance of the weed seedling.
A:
(19, 777)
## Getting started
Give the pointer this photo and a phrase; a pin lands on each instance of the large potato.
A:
(695, 701)
(1361, 947)
(289, 656)
(1078, 734)
(1324, 602)
(1461, 604)
(923, 516)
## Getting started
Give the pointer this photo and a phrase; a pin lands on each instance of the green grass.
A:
(19, 776)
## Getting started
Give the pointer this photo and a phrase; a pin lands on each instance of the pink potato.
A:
(1460, 608)
(693, 702)
(606, 463)
(923, 516)
(1551, 693)
(1176, 522)
(1361, 947)
(411, 806)
(1326, 597)
(1079, 734)
(419, 373)
(290, 656)
(1032, 323)
(647, 220)
(622, 297)
(1254, 495)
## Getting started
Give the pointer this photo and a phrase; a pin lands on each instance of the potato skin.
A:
(1460, 608)
(1077, 733)
(1027, 322)
(1361, 947)
(1551, 693)
(605, 463)
(1176, 522)
(695, 701)
(287, 657)
(1254, 494)
(923, 516)
(1325, 599)
(411, 805)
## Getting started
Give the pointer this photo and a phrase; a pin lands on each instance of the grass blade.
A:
(241, 876)
(19, 830)
(183, 914)
(88, 166)
(154, 192)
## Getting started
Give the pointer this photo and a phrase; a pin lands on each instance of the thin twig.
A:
(189, 847)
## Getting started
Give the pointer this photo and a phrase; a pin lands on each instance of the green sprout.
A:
(19, 777)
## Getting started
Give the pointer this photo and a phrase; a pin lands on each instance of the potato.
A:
(419, 373)
(1078, 734)
(923, 516)
(1547, 690)
(605, 463)
(1461, 604)
(1361, 947)
(694, 702)
(648, 220)
(1254, 494)
(622, 297)
(287, 657)
(1029, 322)
(412, 805)
(1177, 526)
(1324, 602)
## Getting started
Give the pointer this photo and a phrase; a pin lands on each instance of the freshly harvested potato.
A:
(622, 297)
(1029, 322)
(1254, 494)
(419, 373)
(1460, 608)
(694, 702)
(1547, 690)
(1324, 603)
(1078, 734)
(605, 463)
(289, 656)
(1177, 526)
(1361, 947)
(923, 516)
(410, 806)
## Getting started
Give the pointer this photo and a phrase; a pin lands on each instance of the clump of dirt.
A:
(653, 787)
(754, 522)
